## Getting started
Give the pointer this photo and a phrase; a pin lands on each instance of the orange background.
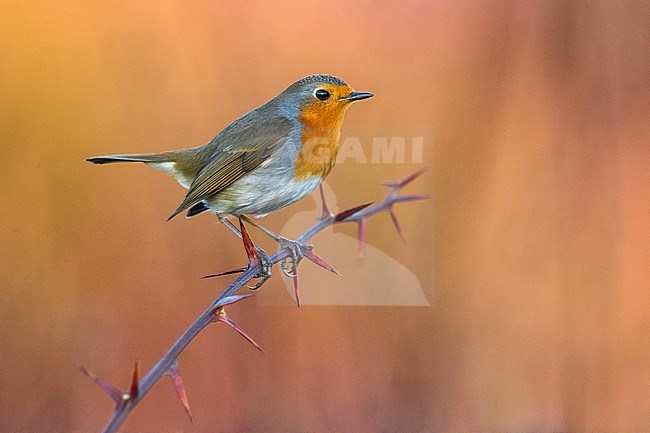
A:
(534, 251)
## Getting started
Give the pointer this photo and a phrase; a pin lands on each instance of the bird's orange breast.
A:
(321, 130)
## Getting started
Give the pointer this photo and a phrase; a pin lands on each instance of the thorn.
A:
(326, 209)
(407, 198)
(109, 389)
(405, 181)
(221, 316)
(174, 374)
(256, 258)
(231, 300)
(315, 258)
(221, 274)
(296, 288)
(361, 236)
(410, 178)
(342, 216)
(253, 257)
(135, 380)
(396, 223)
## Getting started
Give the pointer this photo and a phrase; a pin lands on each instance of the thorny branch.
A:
(126, 401)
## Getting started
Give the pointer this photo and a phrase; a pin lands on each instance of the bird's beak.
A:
(358, 96)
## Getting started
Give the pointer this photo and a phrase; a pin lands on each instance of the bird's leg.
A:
(296, 249)
(225, 221)
(265, 261)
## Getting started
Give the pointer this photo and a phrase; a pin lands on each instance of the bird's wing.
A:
(238, 151)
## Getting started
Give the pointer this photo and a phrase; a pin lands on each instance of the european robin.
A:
(267, 159)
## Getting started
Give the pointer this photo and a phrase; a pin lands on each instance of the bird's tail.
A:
(149, 158)
(180, 164)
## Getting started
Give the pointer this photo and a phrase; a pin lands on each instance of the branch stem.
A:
(124, 408)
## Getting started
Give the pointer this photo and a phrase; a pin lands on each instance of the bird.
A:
(267, 159)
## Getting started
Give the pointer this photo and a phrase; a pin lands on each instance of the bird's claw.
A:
(265, 268)
(289, 265)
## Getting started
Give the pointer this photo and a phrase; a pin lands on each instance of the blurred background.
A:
(533, 252)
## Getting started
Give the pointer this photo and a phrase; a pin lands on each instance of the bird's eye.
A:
(323, 95)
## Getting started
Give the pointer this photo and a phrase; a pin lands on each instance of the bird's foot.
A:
(265, 264)
(297, 251)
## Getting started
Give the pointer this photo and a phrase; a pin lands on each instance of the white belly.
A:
(255, 195)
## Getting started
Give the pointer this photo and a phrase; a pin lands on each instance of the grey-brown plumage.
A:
(213, 167)
(252, 166)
